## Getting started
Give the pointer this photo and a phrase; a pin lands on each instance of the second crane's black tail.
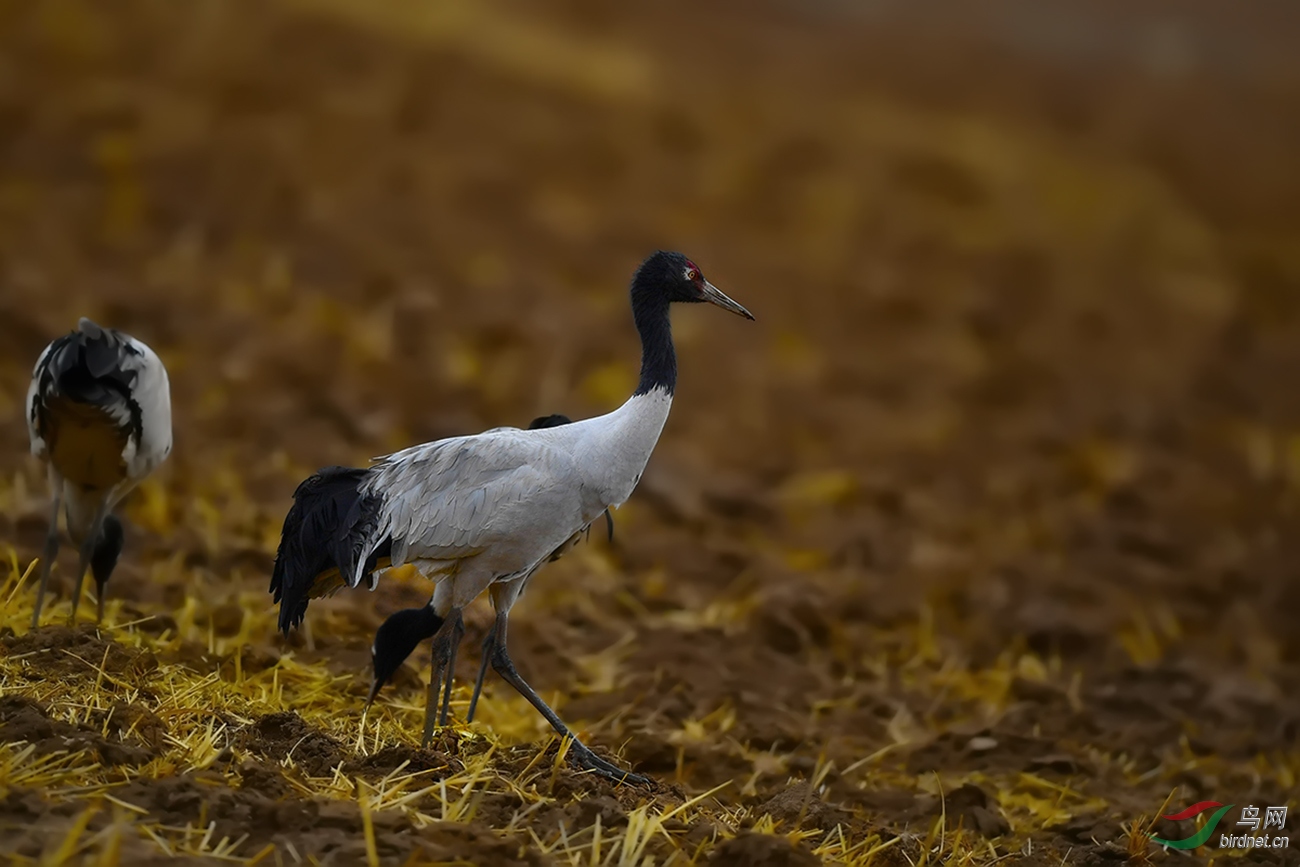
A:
(329, 525)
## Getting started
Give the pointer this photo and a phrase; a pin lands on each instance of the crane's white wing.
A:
(516, 495)
(152, 394)
(34, 435)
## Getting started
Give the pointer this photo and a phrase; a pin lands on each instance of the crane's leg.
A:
(48, 553)
(87, 550)
(579, 753)
(451, 669)
(489, 644)
(445, 641)
(504, 595)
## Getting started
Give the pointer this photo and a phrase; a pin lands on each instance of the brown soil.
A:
(980, 544)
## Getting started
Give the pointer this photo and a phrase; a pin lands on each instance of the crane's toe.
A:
(582, 756)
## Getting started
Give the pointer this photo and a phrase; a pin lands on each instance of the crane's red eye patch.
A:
(692, 272)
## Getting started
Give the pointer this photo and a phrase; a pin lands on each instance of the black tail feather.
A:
(328, 526)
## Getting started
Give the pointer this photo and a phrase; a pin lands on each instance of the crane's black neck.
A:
(650, 313)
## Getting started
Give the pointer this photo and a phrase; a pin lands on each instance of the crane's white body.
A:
(96, 453)
(472, 511)
(99, 416)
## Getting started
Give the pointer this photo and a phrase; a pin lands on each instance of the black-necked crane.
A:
(405, 630)
(484, 512)
(99, 416)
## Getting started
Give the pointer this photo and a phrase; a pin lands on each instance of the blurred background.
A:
(1020, 404)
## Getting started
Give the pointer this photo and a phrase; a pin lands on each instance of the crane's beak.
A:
(714, 295)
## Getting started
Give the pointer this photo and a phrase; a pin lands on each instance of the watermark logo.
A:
(1199, 838)
(1274, 817)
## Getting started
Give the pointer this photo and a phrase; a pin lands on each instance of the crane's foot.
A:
(581, 756)
(578, 754)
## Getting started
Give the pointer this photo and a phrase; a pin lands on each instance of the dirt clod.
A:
(800, 805)
(971, 807)
(24, 720)
(404, 759)
(79, 653)
(285, 735)
(762, 850)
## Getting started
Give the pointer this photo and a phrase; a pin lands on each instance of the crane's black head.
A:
(671, 277)
(103, 559)
(396, 638)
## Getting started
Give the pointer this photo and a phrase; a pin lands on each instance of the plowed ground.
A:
(979, 544)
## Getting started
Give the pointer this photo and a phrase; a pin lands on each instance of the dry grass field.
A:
(980, 545)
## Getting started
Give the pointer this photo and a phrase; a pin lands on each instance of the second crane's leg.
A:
(458, 632)
(83, 563)
(48, 553)
(489, 644)
(444, 660)
(579, 753)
